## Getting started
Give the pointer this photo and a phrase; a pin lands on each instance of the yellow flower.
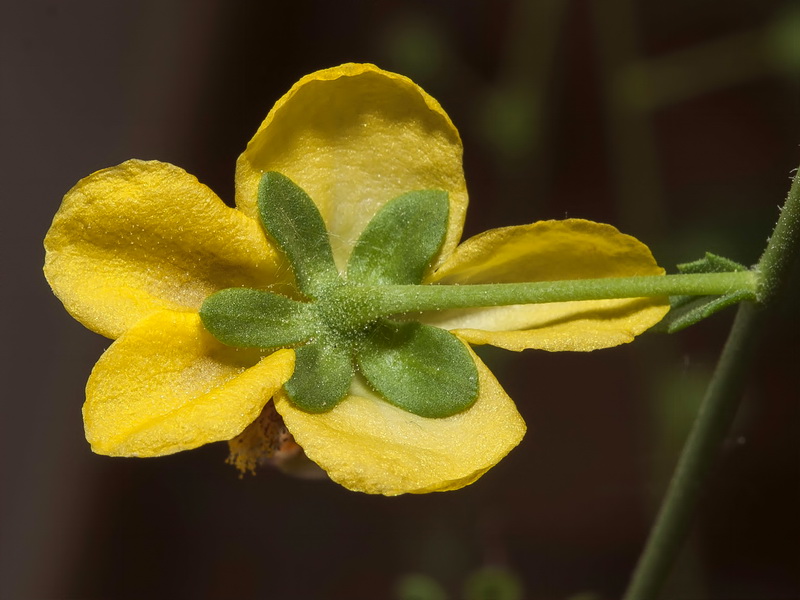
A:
(136, 249)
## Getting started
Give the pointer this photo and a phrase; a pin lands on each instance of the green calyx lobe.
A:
(337, 333)
(403, 360)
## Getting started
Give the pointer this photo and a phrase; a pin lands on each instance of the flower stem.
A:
(717, 410)
(392, 299)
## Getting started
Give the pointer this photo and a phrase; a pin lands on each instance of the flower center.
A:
(344, 319)
(343, 329)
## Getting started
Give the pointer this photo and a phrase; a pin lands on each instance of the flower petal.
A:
(147, 236)
(354, 137)
(167, 385)
(548, 251)
(368, 445)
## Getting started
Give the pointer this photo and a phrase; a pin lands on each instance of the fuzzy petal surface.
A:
(368, 445)
(548, 251)
(166, 385)
(142, 237)
(354, 137)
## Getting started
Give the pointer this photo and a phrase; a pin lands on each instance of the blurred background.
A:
(678, 122)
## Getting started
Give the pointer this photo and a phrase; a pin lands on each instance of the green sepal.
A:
(248, 318)
(711, 263)
(421, 369)
(400, 241)
(322, 376)
(294, 222)
(690, 312)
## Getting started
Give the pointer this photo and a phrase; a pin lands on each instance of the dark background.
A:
(675, 121)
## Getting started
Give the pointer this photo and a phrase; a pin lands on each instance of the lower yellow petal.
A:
(549, 251)
(166, 385)
(368, 445)
(147, 236)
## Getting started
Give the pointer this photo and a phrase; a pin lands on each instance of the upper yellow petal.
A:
(354, 137)
(548, 251)
(147, 236)
(166, 385)
(368, 445)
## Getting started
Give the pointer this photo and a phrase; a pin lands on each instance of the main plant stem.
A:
(717, 410)
(711, 425)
